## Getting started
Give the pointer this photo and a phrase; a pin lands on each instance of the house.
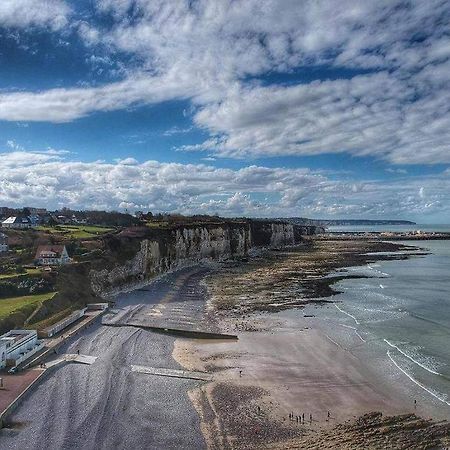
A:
(35, 220)
(52, 255)
(18, 345)
(17, 222)
(3, 243)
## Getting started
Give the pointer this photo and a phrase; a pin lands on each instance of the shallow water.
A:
(438, 228)
(403, 311)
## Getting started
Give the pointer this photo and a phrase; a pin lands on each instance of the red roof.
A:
(46, 249)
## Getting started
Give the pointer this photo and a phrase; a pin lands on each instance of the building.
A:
(2, 354)
(63, 324)
(52, 255)
(3, 243)
(17, 346)
(17, 222)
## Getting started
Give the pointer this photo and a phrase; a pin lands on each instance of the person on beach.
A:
(310, 418)
(303, 417)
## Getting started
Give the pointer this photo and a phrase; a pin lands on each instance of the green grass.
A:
(14, 275)
(76, 231)
(50, 320)
(11, 304)
(161, 224)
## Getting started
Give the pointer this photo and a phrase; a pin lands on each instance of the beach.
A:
(156, 390)
(294, 374)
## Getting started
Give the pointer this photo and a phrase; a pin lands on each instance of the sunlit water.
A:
(404, 308)
(438, 228)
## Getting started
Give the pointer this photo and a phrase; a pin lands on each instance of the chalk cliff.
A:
(149, 253)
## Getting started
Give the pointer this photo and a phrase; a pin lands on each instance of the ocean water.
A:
(401, 317)
(442, 228)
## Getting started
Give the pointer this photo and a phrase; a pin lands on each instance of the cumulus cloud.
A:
(41, 13)
(216, 53)
(56, 180)
(365, 115)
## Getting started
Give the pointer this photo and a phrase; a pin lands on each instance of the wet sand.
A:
(282, 366)
(285, 371)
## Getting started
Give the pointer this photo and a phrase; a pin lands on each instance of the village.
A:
(35, 245)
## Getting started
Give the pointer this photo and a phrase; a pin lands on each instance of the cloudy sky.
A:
(324, 109)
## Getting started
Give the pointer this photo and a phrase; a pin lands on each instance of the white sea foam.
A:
(333, 341)
(412, 359)
(355, 330)
(348, 314)
(357, 334)
(440, 397)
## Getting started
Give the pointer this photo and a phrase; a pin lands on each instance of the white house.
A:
(17, 222)
(3, 243)
(52, 255)
(19, 345)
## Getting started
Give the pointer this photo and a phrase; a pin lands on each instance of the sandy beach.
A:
(286, 381)
(149, 390)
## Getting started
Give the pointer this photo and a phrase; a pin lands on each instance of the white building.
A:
(52, 255)
(19, 345)
(17, 222)
(3, 243)
(2, 354)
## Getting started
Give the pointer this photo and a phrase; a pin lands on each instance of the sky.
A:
(259, 108)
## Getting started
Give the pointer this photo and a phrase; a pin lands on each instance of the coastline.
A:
(288, 363)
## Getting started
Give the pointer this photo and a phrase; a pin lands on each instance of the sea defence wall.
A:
(159, 251)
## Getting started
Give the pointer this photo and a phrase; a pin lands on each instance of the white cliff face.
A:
(282, 235)
(187, 246)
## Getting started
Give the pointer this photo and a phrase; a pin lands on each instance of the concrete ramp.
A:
(174, 373)
(81, 359)
(72, 357)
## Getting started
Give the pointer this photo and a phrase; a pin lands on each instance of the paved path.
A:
(190, 375)
(106, 405)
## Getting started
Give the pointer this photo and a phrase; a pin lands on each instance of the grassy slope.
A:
(12, 304)
(14, 275)
(76, 231)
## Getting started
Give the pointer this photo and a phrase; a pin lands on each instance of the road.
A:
(107, 405)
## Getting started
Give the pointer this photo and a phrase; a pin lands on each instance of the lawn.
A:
(9, 305)
(76, 231)
(5, 276)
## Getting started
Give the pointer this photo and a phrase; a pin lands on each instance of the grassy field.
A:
(9, 305)
(14, 275)
(76, 231)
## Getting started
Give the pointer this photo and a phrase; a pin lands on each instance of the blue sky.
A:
(257, 108)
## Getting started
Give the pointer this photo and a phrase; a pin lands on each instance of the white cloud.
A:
(53, 14)
(366, 115)
(208, 51)
(54, 180)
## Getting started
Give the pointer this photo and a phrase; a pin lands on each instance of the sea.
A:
(397, 317)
